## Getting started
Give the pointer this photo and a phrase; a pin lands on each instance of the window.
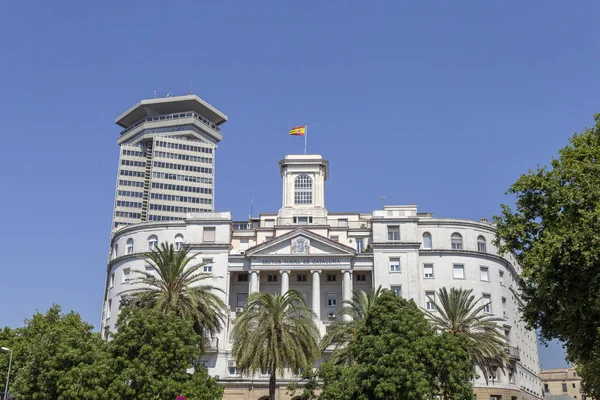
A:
(109, 307)
(178, 241)
(303, 186)
(395, 264)
(359, 245)
(149, 270)
(427, 244)
(456, 241)
(481, 244)
(343, 222)
(546, 388)
(361, 277)
(208, 264)
(301, 220)
(501, 277)
(241, 299)
(393, 233)
(428, 270)
(487, 303)
(485, 274)
(233, 371)
(429, 300)
(335, 238)
(242, 277)
(269, 223)
(458, 271)
(209, 234)
(564, 387)
(116, 250)
(152, 242)
(272, 278)
(504, 307)
(332, 300)
(331, 277)
(573, 386)
(129, 246)
(397, 290)
(112, 279)
(301, 278)
(126, 274)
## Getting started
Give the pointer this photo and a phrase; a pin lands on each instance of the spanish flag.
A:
(298, 130)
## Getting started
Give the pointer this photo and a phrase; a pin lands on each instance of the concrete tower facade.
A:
(167, 158)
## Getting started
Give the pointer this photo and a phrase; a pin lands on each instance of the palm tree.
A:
(274, 332)
(458, 313)
(176, 288)
(343, 330)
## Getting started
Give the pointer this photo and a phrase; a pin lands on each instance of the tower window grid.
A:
(303, 189)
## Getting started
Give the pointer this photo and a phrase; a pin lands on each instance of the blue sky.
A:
(442, 104)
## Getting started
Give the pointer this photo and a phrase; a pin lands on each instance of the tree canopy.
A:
(178, 287)
(151, 357)
(398, 355)
(53, 357)
(275, 332)
(554, 232)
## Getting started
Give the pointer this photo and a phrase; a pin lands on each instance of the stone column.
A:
(285, 281)
(346, 289)
(254, 281)
(316, 293)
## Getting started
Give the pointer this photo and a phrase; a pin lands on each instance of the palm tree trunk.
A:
(272, 381)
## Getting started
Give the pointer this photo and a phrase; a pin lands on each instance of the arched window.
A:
(481, 244)
(178, 241)
(152, 242)
(130, 246)
(456, 241)
(427, 240)
(303, 190)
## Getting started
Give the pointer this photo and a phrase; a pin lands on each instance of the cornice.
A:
(456, 222)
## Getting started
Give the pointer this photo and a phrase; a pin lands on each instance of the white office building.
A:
(325, 256)
(166, 164)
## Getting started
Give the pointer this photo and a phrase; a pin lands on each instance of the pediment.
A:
(301, 242)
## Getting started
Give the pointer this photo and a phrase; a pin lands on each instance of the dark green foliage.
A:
(554, 231)
(150, 356)
(53, 356)
(399, 356)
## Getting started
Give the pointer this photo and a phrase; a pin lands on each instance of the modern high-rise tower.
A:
(167, 158)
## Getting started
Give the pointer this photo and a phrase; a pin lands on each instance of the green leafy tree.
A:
(274, 332)
(554, 232)
(459, 313)
(398, 355)
(151, 356)
(9, 339)
(51, 352)
(343, 330)
(176, 287)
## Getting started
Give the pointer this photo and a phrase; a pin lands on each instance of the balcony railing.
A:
(167, 117)
(513, 352)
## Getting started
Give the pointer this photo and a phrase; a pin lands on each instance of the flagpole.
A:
(305, 136)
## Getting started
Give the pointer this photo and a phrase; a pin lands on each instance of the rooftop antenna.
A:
(169, 94)
(383, 199)
(252, 208)
(190, 89)
(155, 94)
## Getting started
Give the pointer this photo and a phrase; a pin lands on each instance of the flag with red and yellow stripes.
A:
(298, 130)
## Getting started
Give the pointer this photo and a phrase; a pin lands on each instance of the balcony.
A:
(212, 344)
(513, 353)
(174, 116)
